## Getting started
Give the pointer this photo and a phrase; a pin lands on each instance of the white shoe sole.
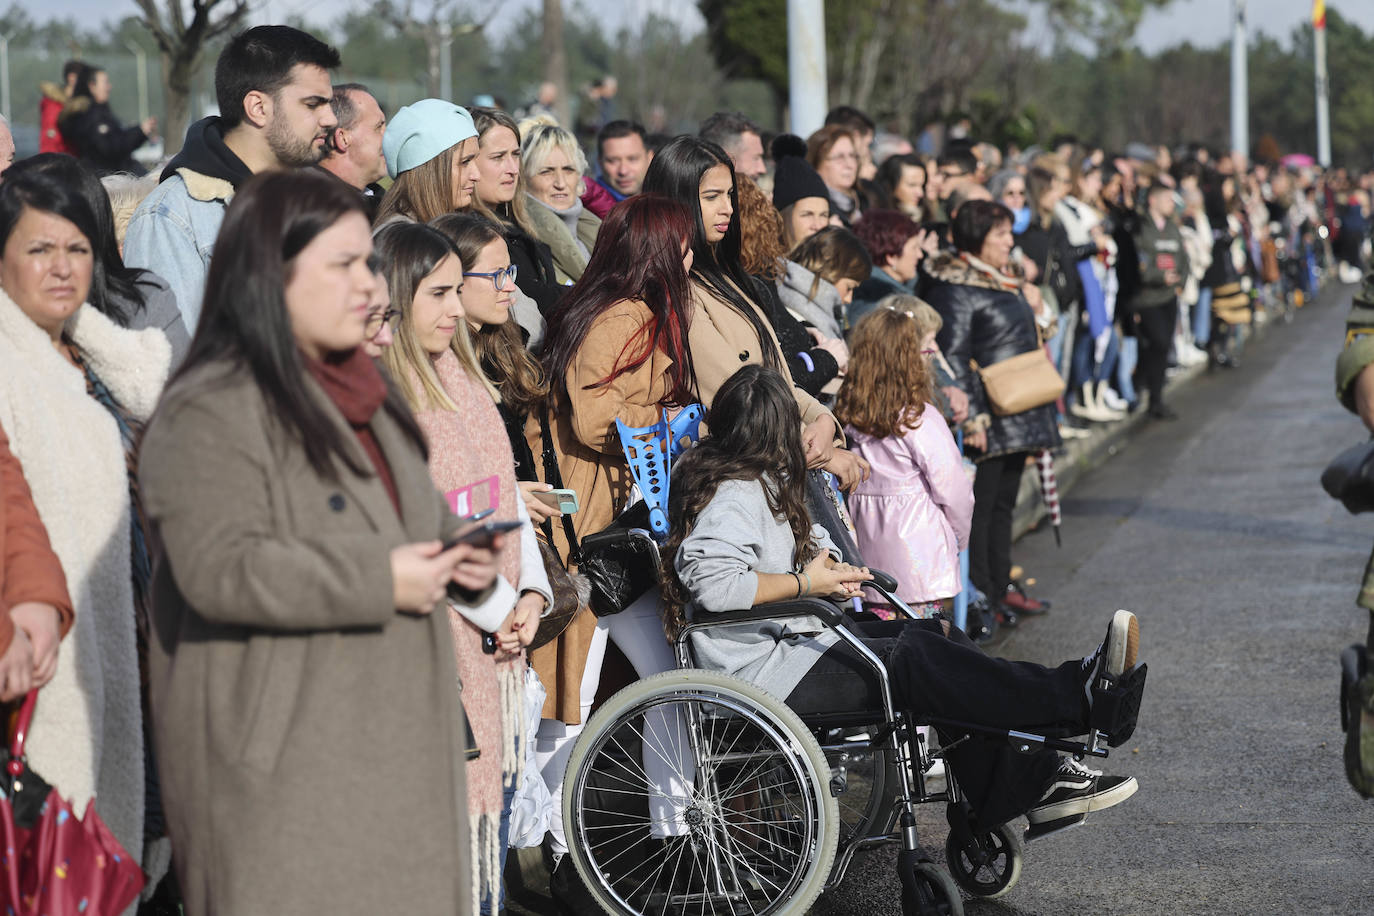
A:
(1087, 803)
(1123, 644)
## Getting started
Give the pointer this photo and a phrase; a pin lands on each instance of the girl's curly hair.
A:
(889, 382)
(761, 249)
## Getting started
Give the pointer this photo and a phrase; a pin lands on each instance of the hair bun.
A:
(785, 145)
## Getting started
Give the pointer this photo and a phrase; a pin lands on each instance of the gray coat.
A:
(736, 537)
(821, 309)
(309, 736)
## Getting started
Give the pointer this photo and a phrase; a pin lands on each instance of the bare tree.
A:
(435, 28)
(182, 43)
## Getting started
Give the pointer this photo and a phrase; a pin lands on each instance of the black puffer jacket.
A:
(100, 140)
(986, 322)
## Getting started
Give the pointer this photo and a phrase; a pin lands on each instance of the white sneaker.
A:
(1072, 432)
(1112, 399)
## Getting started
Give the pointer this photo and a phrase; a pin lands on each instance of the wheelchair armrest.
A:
(775, 610)
(883, 582)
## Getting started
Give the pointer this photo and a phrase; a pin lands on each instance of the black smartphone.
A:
(480, 534)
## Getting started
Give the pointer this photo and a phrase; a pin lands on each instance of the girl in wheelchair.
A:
(741, 537)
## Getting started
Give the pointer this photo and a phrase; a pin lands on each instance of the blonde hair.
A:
(542, 135)
(421, 193)
(126, 193)
(928, 321)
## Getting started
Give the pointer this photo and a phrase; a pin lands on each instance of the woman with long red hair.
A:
(615, 348)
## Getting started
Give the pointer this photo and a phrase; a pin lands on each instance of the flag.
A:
(1318, 14)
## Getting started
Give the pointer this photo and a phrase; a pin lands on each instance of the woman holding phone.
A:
(470, 459)
(302, 686)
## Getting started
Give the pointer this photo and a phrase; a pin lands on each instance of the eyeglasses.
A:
(498, 278)
(842, 157)
(377, 320)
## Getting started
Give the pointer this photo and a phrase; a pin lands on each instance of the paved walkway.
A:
(1215, 530)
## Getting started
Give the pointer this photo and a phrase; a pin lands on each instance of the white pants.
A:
(638, 632)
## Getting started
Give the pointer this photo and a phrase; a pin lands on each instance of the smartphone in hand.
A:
(479, 534)
(564, 501)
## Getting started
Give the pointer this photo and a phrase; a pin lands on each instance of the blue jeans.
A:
(1202, 317)
(1127, 358)
(507, 799)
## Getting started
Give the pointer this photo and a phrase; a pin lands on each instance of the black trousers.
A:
(1154, 328)
(949, 677)
(989, 541)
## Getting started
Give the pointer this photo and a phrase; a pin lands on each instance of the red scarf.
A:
(357, 388)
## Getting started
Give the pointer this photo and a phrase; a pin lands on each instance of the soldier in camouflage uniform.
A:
(1355, 389)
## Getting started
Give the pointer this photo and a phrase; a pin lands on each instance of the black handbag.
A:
(619, 565)
(1350, 478)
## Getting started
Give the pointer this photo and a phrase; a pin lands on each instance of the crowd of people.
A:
(307, 430)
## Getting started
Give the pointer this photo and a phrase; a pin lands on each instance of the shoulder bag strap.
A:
(554, 476)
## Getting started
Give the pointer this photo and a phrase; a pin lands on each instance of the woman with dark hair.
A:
(88, 125)
(301, 561)
(741, 537)
(617, 348)
(433, 364)
(75, 391)
(131, 297)
(986, 320)
(822, 274)
(500, 197)
(903, 178)
(726, 328)
(897, 246)
(814, 359)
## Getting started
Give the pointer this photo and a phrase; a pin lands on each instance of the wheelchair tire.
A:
(761, 826)
(935, 893)
(989, 868)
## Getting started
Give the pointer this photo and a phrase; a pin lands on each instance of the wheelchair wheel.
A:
(931, 892)
(991, 866)
(736, 777)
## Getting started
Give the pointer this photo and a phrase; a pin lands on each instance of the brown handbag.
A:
(1022, 382)
(570, 595)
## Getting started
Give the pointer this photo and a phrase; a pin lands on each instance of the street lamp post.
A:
(806, 72)
(1323, 85)
(1240, 93)
(5, 77)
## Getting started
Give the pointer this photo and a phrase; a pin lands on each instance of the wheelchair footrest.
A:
(1116, 706)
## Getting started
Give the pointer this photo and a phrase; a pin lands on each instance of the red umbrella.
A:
(1049, 491)
(56, 864)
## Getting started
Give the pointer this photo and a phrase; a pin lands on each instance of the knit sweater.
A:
(735, 538)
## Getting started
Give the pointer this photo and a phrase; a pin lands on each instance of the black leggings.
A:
(989, 541)
(947, 676)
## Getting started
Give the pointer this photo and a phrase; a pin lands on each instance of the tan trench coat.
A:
(309, 737)
(588, 447)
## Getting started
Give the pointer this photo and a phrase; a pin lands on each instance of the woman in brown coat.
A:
(616, 350)
(308, 729)
(35, 609)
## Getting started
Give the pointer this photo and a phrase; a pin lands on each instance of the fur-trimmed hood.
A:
(963, 270)
(50, 90)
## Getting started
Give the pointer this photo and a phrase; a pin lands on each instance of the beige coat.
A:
(309, 736)
(587, 444)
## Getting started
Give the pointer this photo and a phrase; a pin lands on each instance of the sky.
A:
(1204, 22)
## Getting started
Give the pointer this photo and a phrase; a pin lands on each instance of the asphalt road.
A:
(1215, 531)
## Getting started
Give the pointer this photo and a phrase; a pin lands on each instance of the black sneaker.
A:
(1115, 656)
(1076, 790)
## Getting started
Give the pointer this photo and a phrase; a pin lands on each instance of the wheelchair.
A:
(766, 809)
